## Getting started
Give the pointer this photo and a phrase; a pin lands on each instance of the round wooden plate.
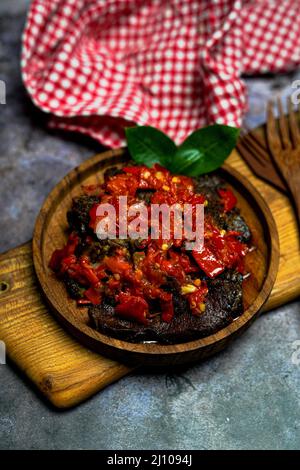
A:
(51, 233)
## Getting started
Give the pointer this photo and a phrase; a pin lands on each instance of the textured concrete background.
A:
(245, 398)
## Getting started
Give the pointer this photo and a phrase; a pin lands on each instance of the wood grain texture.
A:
(287, 284)
(283, 137)
(254, 151)
(61, 368)
(50, 233)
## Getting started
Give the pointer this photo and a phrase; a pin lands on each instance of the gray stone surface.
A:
(245, 398)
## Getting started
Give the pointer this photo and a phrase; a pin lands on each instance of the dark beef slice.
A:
(180, 303)
(145, 195)
(232, 220)
(74, 289)
(113, 171)
(207, 184)
(78, 217)
(223, 304)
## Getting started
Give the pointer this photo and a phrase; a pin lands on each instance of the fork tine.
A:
(257, 147)
(254, 142)
(272, 133)
(255, 163)
(284, 130)
(294, 129)
(260, 141)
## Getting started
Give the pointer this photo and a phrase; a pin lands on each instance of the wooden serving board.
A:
(68, 373)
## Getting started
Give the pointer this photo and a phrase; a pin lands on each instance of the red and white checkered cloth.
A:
(100, 65)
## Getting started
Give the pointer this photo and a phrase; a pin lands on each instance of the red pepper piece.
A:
(167, 309)
(184, 261)
(93, 216)
(75, 272)
(132, 308)
(197, 297)
(73, 241)
(88, 271)
(233, 233)
(173, 270)
(133, 170)
(90, 276)
(228, 199)
(59, 255)
(196, 199)
(100, 272)
(56, 259)
(67, 263)
(122, 185)
(93, 295)
(152, 271)
(234, 252)
(116, 265)
(83, 302)
(208, 262)
(113, 284)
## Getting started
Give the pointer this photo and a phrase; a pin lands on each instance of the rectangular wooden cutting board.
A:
(68, 373)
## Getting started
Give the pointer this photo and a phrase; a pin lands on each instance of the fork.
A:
(254, 151)
(284, 145)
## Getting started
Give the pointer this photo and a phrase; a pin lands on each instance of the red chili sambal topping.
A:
(135, 272)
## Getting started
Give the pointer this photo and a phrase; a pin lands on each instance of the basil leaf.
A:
(148, 146)
(204, 150)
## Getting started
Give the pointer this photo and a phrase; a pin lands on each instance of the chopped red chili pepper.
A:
(208, 262)
(116, 265)
(196, 299)
(122, 184)
(93, 295)
(133, 170)
(56, 259)
(167, 309)
(228, 199)
(93, 216)
(133, 308)
(59, 255)
(138, 281)
(83, 302)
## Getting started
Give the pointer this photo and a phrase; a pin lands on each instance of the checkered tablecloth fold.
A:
(99, 66)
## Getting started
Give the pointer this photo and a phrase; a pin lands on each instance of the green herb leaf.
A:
(148, 146)
(204, 150)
